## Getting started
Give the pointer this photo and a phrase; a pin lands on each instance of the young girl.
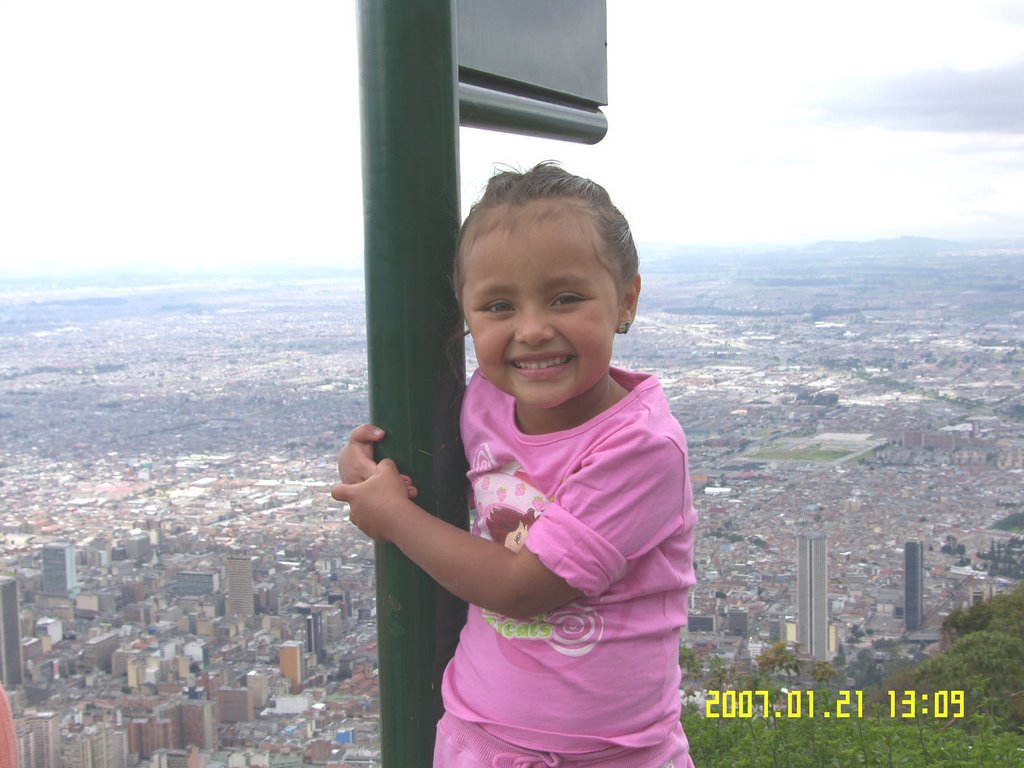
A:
(581, 554)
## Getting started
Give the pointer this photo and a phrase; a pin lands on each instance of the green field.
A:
(779, 452)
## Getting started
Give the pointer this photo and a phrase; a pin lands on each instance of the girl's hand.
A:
(376, 505)
(356, 462)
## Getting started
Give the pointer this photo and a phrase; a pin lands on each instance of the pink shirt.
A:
(607, 506)
(8, 744)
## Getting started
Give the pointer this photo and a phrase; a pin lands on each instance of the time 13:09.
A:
(939, 704)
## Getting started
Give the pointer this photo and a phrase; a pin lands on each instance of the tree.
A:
(1008, 612)
(988, 666)
(822, 672)
(779, 659)
(964, 621)
(1004, 613)
(691, 664)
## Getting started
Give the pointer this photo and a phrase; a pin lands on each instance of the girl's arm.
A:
(482, 572)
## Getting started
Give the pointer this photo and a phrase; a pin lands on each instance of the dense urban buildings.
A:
(183, 591)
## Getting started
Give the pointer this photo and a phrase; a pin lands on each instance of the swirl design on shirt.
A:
(576, 629)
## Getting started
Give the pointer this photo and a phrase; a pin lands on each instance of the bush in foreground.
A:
(868, 742)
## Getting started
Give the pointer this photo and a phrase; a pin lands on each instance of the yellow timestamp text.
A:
(796, 704)
(940, 704)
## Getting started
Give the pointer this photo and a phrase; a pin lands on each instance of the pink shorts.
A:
(466, 745)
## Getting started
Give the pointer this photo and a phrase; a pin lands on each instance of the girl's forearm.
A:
(479, 571)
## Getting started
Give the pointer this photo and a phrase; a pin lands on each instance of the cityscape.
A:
(177, 587)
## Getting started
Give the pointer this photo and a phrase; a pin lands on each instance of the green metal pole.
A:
(411, 214)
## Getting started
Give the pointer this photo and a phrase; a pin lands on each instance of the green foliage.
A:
(871, 668)
(1008, 612)
(1005, 559)
(873, 741)
(988, 666)
(985, 658)
(1012, 522)
(963, 622)
(777, 660)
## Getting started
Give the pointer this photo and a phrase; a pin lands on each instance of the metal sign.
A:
(533, 66)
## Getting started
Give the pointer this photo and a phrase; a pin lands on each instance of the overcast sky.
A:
(208, 133)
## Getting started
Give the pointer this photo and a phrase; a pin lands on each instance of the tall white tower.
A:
(812, 591)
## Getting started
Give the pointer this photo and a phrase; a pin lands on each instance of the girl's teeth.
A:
(535, 365)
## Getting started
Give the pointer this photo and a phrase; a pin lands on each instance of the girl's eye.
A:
(568, 298)
(498, 306)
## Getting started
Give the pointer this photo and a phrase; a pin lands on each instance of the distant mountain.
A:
(904, 245)
(660, 257)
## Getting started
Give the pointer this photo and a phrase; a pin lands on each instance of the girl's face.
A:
(542, 308)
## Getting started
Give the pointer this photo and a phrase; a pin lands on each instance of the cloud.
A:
(1010, 12)
(986, 101)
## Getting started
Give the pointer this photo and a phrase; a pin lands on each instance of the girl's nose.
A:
(534, 328)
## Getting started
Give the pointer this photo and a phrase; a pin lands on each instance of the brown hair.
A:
(547, 181)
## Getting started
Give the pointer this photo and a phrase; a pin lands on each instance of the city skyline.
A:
(869, 395)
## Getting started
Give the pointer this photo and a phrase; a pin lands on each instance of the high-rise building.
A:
(913, 585)
(315, 635)
(738, 622)
(175, 758)
(235, 704)
(98, 652)
(96, 746)
(266, 598)
(43, 741)
(160, 730)
(197, 583)
(258, 684)
(240, 600)
(812, 595)
(60, 577)
(10, 634)
(293, 663)
(334, 625)
(700, 622)
(198, 727)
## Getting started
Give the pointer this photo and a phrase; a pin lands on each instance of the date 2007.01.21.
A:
(729, 704)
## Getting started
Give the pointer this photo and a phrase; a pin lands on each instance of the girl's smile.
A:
(542, 308)
(542, 369)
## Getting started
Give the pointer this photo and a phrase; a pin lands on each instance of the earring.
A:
(623, 327)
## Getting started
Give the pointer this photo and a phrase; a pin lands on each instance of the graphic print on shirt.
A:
(507, 504)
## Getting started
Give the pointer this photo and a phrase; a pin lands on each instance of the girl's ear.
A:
(628, 303)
